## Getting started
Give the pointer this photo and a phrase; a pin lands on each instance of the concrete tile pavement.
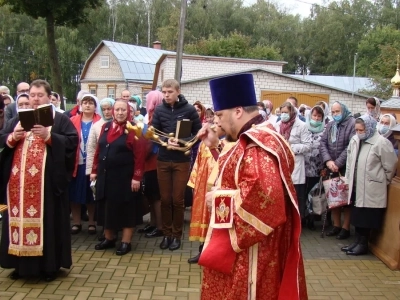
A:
(150, 273)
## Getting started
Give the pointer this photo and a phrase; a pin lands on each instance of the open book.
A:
(43, 115)
(183, 129)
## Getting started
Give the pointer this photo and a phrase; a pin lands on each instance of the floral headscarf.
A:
(308, 119)
(370, 125)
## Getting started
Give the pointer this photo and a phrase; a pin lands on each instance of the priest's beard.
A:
(232, 135)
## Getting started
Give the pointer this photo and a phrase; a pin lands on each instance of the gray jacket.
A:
(337, 151)
(372, 170)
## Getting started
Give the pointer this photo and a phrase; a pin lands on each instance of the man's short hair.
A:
(293, 98)
(41, 83)
(4, 89)
(250, 109)
(171, 83)
(81, 93)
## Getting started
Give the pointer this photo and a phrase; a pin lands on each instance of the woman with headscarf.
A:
(79, 188)
(151, 188)
(118, 169)
(137, 116)
(326, 110)
(333, 150)
(315, 124)
(373, 107)
(371, 163)
(385, 126)
(298, 136)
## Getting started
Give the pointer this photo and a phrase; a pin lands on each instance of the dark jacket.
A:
(165, 119)
(337, 151)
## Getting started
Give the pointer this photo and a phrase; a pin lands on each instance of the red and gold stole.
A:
(25, 194)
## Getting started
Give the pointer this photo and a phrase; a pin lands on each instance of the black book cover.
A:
(183, 129)
(43, 115)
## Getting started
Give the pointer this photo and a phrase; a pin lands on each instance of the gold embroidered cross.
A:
(32, 191)
(15, 192)
(265, 197)
(35, 150)
(272, 263)
(248, 159)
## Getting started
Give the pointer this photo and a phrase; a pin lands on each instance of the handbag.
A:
(317, 199)
(336, 191)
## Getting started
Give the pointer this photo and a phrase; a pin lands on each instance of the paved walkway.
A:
(150, 273)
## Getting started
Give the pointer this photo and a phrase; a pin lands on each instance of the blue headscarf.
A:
(345, 115)
(109, 101)
(370, 125)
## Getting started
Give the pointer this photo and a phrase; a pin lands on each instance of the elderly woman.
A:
(371, 164)
(118, 167)
(385, 126)
(299, 137)
(56, 101)
(315, 124)
(79, 189)
(326, 110)
(333, 150)
(373, 107)
(269, 108)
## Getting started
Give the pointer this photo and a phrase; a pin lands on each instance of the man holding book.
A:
(36, 168)
(173, 165)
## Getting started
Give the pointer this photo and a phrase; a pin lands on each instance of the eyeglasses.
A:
(24, 91)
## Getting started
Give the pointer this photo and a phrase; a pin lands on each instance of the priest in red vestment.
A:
(36, 168)
(252, 249)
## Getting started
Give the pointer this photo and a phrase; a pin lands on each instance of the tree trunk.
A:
(56, 81)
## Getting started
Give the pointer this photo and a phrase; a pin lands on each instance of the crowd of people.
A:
(248, 175)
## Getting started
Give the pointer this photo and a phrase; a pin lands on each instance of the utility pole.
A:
(354, 78)
(148, 6)
(179, 45)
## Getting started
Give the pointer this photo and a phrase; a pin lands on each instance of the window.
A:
(93, 89)
(111, 91)
(104, 61)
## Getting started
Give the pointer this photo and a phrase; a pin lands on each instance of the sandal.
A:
(92, 229)
(75, 229)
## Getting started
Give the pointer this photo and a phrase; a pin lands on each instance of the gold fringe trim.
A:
(197, 238)
(25, 253)
(197, 225)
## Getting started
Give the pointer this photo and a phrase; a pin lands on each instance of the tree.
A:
(55, 12)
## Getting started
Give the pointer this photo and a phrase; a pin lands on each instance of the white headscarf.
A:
(392, 124)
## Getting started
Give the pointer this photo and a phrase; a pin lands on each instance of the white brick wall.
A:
(200, 90)
(94, 71)
(134, 88)
(196, 68)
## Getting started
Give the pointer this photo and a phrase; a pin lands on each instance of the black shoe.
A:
(101, 237)
(175, 244)
(106, 244)
(148, 228)
(14, 275)
(124, 248)
(76, 228)
(195, 259)
(361, 248)
(155, 233)
(334, 231)
(48, 277)
(166, 241)
(353, 245)
(343, 234)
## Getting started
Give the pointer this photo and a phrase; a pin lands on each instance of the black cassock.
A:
(59, 166)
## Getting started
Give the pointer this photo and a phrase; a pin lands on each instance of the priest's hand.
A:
(40, 131)
(19, 132)
(135, 185)
(209, 136)
(93, 177)
(173, 142)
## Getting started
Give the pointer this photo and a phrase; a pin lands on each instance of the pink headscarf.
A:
(153, 99)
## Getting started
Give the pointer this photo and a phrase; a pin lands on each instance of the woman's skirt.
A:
(79, 187)
(367, 217)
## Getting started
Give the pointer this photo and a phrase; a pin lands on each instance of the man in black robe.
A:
(59, 142)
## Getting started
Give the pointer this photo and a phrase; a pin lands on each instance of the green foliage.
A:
(235, 45)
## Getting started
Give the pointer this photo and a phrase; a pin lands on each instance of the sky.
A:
(301, 7)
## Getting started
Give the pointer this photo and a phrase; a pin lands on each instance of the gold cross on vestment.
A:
(265, 197)
(31, 138)
(32, 191)
(35, 150)
(15, 191)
